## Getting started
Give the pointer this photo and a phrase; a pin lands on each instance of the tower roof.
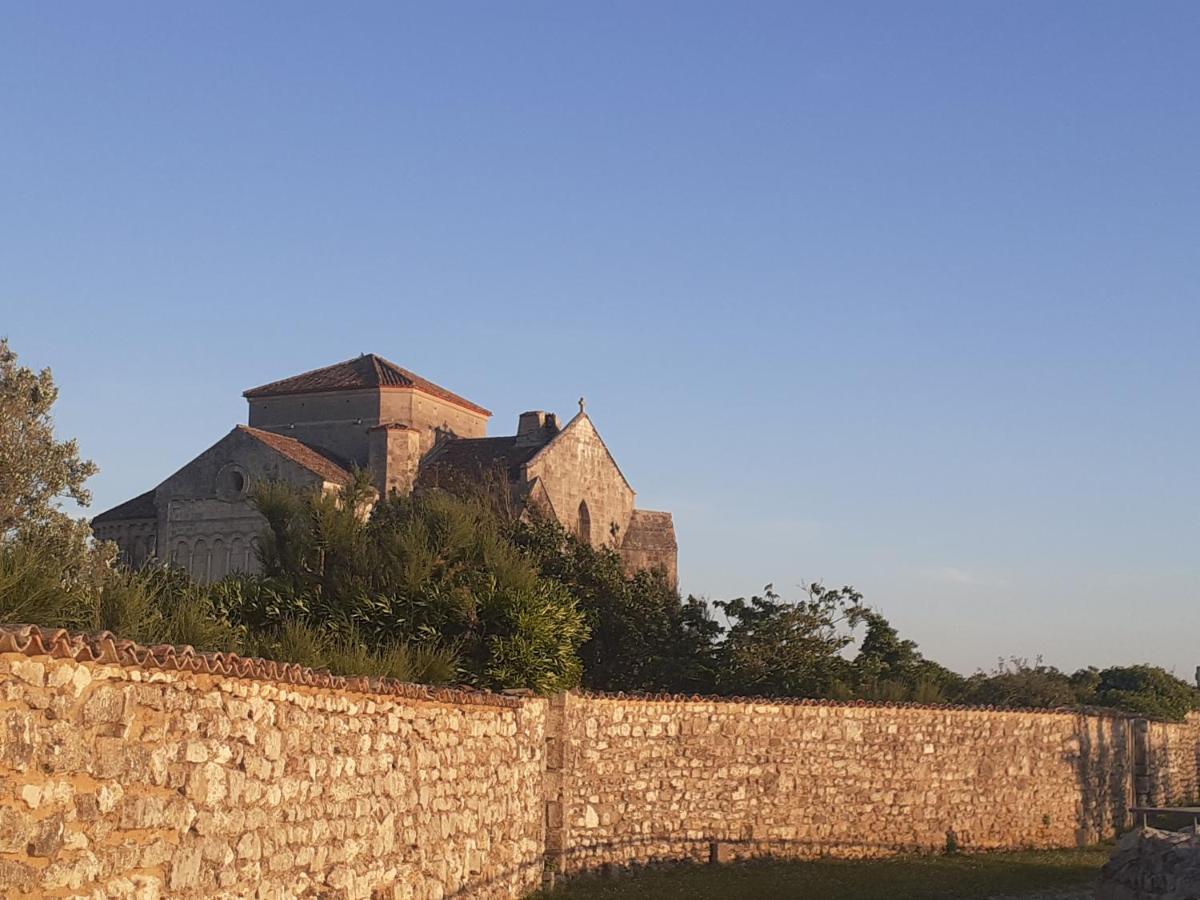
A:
(361, 373)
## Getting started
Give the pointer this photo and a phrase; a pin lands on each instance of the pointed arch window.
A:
(584, 527)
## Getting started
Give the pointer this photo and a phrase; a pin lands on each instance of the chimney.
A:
(393, 455)
(536, 427)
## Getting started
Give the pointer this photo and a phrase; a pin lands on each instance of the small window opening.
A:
(584, 532)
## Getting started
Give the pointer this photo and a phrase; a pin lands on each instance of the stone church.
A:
(312, 430)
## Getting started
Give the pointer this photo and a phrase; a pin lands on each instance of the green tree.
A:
(888, 667)
(36, 470)
(642, 637)
(1017, 682)
(432, 573)
(779, 648)
(51, 570)
(1147, 690)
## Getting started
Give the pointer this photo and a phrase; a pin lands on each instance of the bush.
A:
(431, 573)
(1147, 690)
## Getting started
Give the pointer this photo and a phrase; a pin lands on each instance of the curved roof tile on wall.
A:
(361, 373)
(106, 648)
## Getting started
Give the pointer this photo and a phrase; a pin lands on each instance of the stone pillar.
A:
(393, 456)
(554, 787)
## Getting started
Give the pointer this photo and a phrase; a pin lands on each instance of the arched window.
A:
(584, 528)
(237, 555)
(220, 561)
(200, 560)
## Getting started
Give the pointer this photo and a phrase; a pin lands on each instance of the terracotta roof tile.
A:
(362, 373)
(315, 459)
(472, 458)
(623, 696)
(105, 647)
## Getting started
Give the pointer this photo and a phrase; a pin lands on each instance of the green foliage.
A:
(642, 637)
(1147, 690)
(890, 668)
(40, 586)
(780, 648)
(36, 586)
(38, 469)
(349, 654)
(1019, 683)
(50, 567)
(163, 606)
(433, 573)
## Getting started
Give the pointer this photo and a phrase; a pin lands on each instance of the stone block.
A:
(16, 829)
(47, 837)
(17, 879)
(106, 705)
(185, 869)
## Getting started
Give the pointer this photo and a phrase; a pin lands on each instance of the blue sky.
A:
(896, 295)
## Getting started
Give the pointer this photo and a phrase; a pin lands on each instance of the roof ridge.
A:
(378, 373)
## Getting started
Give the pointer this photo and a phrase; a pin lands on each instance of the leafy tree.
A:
(432, 573)
(888, 667)
(37, 469)
(1147, 690)
(778, 648)
(642, 637)
(1084, 684)
(1016, 682)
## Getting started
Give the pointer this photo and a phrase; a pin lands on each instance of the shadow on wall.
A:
(706, 849)
(1104, 770)
(1162, 785)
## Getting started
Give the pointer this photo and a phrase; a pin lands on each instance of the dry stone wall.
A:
(127, 772)
(651, 780)
(1173, 762)
(120, 782)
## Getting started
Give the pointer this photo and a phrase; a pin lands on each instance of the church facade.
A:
(313, 430)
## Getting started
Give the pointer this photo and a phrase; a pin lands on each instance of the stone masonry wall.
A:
(641, 781)
(1173, 770)
(127, 771)
(121, 782)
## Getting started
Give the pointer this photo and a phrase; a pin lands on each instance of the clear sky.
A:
(902, 295)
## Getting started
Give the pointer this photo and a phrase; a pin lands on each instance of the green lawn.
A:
(905, 878)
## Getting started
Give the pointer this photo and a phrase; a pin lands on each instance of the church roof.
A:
(315, 459)
(140, 507)
(361, 373)
(472, 458)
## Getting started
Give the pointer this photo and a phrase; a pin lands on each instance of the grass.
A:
(954, 877)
